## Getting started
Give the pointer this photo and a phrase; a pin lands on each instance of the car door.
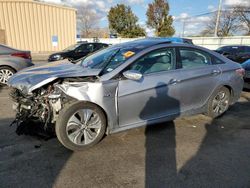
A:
(197, 77)
(156, 95)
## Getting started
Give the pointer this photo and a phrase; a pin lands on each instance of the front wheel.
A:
(80, 125)
(219, 102)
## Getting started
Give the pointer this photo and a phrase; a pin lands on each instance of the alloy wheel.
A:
(5, 74)
(83, 127)
(220, 103)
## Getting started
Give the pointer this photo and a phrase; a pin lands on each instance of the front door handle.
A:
(173, 81)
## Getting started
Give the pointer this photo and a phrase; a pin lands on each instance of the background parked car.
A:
(237, 53)
(77, 51)
(246, 66)
(11, 61)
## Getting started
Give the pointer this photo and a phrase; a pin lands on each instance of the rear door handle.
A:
(216, 72)
(173, 81)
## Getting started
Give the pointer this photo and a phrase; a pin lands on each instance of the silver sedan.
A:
(125, 86)
(11, 61)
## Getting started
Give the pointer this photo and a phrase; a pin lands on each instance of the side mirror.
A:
(132, 75)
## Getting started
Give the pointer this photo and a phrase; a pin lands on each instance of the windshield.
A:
(108, 59)
(72, 47)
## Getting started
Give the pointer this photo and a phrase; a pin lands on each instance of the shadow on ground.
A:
(32, 161)
(222, 159)
(160, 139)
(1, 88)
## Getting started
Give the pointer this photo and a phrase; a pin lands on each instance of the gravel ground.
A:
(188, 152)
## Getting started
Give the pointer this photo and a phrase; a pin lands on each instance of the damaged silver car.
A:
(125, 86)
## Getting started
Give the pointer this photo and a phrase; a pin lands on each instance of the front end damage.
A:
(44, 104)
(39, 93)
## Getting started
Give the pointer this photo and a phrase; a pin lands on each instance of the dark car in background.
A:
(246, 66)
(237, 53)
(77, 51)
(11, 61)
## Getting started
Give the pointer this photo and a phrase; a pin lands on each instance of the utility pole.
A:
(218, 19)
(183, 27)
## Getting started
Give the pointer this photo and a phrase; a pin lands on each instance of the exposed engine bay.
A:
(39, 106)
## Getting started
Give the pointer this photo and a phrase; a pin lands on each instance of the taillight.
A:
(22, 55)
(240, 72)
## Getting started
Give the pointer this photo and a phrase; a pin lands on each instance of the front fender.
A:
(99, 93)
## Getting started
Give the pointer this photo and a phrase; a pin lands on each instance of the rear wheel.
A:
(5, 74)
(80, 125)
(219, 102)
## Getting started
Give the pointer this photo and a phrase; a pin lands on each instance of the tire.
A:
(218, 103)
(73, 132)
(5, 73)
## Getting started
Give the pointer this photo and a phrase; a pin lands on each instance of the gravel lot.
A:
(188, 152)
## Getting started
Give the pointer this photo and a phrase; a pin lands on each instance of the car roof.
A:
(142, 43)
(86, 42)
(4, 46)
(10, 49)
(150, 41)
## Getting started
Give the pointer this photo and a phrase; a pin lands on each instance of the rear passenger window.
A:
(192, 58)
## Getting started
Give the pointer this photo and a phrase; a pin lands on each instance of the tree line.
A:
(123, 21)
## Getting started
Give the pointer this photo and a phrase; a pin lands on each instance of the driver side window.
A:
(155, 61)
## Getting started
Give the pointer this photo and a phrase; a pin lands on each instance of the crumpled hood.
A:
(34, 77)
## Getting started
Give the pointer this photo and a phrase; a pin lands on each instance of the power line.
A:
(209, 13)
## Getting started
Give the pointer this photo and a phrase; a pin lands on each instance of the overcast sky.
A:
(180, 9)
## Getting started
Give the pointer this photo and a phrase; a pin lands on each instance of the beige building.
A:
(36, 26)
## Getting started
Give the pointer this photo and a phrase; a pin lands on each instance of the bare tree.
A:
(244, 16)
(88, 20)
(99, 32)
(228, 24)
